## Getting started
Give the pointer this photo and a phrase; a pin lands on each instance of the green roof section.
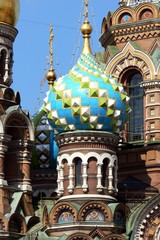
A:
(16, 198)
(136, 46)
(37, 117)
(113, 50)
(133, 218)
(156, 56)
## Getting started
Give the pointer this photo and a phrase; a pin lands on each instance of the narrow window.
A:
(78, 172)
(104, 173)
(152, 125)
(136, 117)
(2, 65)
(152, 112)
(152, 98)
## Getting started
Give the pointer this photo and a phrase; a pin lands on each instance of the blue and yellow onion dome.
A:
(86, 99)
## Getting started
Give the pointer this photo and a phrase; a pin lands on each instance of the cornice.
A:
(150, 84)
(8, 31)
(21, 143)
(130, 30)
(87, 137)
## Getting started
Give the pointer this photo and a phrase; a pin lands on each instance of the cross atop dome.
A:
(133, 3)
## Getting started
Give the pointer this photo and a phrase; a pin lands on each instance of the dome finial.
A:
(86, 30)
(51, 76)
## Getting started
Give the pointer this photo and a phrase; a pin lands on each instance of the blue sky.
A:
(31, 45)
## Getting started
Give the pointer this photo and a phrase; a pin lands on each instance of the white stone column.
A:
(115, 179)
(61, 178)
(99, 177)
(6, 76)
(58, 179)
(71, 177)
(110, 179)
(84, 177)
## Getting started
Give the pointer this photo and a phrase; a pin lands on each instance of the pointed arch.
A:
(131, 57)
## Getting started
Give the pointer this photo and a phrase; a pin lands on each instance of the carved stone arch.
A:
(147, 222)
(120, 11)
(104, 26)
(9, 94)
(104, 156)
(114, 237)
(79, 236)
(60, 208)
(130, 57)
(144, 7)
(17, 224)
(61, 158)
(94, 205)
(92, 155)
(6, 50)
(109, 19)
(77, 155)
(18, 125)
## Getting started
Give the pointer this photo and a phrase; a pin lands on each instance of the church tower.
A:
(16, 138)
(87, 109)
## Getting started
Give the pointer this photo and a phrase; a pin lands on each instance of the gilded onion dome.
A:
(9, 11)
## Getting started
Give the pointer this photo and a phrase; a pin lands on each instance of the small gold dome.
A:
(51, 77)
(86, 28)
(9, 11)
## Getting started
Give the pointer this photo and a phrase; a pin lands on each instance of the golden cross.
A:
(86, 9)
(51, 46)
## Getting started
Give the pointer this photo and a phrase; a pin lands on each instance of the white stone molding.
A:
(112, 166)
(99, 178)
(71, 177)
(84, 175)
(61, 179)
(6, 75)
(110, 179)
(58, 178)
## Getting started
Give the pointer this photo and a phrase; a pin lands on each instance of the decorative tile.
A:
(86, 98)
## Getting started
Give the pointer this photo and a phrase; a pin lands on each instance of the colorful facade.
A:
(87, 165)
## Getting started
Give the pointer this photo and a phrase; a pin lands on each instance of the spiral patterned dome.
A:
(9, 11)
(86, 99)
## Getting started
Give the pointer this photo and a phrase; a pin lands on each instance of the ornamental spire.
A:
(86, 30)
(51, 76)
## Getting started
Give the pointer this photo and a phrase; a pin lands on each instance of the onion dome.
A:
(9, 11)
(86, 98)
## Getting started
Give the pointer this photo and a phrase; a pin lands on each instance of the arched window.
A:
(136, 118)
(78, 172)
(2, 65)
